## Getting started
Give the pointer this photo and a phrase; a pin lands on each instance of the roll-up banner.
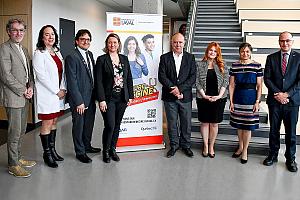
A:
(141, 37)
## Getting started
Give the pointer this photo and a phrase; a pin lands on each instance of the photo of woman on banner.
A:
(136, 59)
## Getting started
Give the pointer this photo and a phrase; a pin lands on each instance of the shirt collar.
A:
(288, 53)
(82, 51)
(175, 55)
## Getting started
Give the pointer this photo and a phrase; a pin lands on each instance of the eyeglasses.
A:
(287, 41)
(85, 39)
(17, 30)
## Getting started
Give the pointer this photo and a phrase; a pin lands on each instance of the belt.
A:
(117, 89)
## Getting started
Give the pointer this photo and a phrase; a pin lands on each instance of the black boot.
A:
(55, 155)
(48, 159)
(113, 154)
(106, 157)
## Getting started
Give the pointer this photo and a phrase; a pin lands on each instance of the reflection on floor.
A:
(146, 175)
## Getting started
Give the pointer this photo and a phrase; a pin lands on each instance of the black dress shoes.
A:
(106, 156)
(291, 165)
(93, 150)
(171, 152)
(114, 156)
(188, 152)
(270, 160)
(83, 158)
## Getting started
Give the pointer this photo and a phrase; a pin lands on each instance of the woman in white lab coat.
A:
(50, 90)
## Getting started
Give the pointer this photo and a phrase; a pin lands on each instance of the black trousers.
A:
(289, 116)
(82, 128)
(112, 120)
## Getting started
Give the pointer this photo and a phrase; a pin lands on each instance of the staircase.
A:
(216, 20)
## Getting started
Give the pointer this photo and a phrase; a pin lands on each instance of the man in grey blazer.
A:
(16, 88)
(81, 96)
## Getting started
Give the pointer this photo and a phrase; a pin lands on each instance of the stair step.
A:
(214, 20)
(216, 13)
(217, 24)
(218, 29)
(215, 17)
(224, 43)
(227, 129)
(217, 6)
(228, 33)
(217, 1)
(263, 116)
(229, 143)
(216, 10)
(232, 138)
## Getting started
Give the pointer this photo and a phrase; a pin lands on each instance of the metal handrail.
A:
(192, 18)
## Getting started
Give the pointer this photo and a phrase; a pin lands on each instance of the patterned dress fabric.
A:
(245, 95)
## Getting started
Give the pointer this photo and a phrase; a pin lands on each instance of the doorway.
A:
(67, 36)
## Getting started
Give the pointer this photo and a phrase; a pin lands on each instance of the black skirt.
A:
(210, 112)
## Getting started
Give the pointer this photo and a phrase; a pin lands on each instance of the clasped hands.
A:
(282, 97)
(175, 91)
(212, 98)
(28, 93)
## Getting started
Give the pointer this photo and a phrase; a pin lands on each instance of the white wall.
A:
(88, 14)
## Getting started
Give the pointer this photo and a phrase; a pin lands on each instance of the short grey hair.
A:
(14, 20)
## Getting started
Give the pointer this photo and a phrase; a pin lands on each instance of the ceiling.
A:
(170, 8)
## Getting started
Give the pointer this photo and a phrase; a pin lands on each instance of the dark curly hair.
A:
(40, 45)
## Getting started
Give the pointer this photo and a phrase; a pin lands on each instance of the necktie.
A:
(283, 64)
(89, 64)
(24, 60)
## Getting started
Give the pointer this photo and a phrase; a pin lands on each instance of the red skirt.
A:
(51, 115)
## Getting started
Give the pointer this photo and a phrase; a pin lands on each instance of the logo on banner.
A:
(144, 93)
(118, 21)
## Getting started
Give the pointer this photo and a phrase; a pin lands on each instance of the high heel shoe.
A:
(236, 155)
(243, 161)
(211, 155)
(204, 154)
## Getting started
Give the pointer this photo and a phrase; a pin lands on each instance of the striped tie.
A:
(283, 65)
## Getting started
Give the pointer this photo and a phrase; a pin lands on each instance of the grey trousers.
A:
(17, 122)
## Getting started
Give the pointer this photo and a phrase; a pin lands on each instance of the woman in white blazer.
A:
(50, 90)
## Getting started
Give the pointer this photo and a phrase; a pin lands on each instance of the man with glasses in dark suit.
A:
(282, 78)
(81, 95)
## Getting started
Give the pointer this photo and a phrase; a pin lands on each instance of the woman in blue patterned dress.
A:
(245, 86)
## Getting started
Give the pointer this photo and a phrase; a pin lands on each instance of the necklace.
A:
(244, 62)
(51, 51)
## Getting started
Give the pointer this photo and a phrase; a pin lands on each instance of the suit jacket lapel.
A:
(18, 53)
(84, 63)
(109, 64)
(289, 64)
(171, 63)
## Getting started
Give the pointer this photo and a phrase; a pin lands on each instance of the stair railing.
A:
(191, 25)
